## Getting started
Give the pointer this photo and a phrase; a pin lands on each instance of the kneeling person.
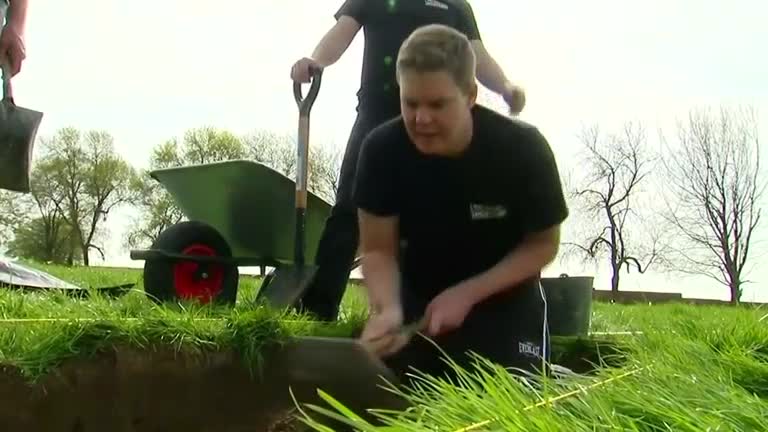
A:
(459, 209)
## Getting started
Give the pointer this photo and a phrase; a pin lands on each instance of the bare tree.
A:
(713, 179)
(608, 194)
(279, 152)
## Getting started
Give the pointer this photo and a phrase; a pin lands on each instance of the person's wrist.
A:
(385, 306)
(16, 26)
(470, 290)
(510, 88)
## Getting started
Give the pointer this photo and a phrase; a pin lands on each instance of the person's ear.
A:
(472, 96)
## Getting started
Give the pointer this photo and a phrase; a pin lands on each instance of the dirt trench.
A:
(127, 390)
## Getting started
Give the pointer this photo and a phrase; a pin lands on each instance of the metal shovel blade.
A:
(18, 131)
(287, 285)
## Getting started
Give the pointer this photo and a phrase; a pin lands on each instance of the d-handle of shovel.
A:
(7, 88)
(305, 103)
(305, 106)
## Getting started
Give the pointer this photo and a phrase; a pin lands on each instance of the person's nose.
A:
(423, 117)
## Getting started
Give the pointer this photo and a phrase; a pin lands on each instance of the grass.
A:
(693, 368)
(39, 330)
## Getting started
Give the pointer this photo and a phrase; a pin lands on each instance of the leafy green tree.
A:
(84, 179)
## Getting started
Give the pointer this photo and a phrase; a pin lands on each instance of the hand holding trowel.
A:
(393, 340)
(18, 129)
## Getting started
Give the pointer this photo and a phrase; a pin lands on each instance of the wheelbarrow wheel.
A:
(170, 280)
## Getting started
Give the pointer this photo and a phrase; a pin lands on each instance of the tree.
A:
(615, 169)
(14, 208)
(43, 233)
(85, 179)
(714, 187)
(279, 151)
(42, 240)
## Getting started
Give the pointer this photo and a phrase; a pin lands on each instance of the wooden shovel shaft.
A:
(303, 162)
(7, 88)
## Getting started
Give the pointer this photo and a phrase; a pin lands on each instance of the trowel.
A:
(348, 359)
(18, 130)
(348, 369)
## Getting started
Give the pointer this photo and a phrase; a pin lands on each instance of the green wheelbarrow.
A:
(239, 213)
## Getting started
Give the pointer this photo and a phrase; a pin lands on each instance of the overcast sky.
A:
(148, 70)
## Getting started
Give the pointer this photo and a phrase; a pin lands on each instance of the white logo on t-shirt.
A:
(483, 211)
(435, 3)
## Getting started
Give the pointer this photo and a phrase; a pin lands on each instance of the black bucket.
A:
(569, 304)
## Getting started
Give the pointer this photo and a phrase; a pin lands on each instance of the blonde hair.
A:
(436, 47)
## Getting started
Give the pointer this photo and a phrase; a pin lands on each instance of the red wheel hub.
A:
(201, 281)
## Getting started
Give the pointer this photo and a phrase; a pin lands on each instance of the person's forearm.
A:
(331, 47)
(17, 14)
(382, 278)
(524, 262)
(488, 72)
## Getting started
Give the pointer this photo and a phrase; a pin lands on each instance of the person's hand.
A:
(300, 69)
(12, 49)
(381, 333)
(447, 311)
(514, 96)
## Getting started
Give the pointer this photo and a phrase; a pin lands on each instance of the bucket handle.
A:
(305, 103)
(7, 88)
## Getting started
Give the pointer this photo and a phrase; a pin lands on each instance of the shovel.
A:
(18, 129)
(290, 281)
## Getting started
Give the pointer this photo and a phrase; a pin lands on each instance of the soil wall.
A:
(127, 390)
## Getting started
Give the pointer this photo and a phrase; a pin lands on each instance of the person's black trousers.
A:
(339, 242)
(509, 329)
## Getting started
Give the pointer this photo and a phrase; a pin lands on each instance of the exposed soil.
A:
(161, 391)
(127, 390)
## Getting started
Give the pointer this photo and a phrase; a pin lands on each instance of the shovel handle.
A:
(305, 103)
(7, 88)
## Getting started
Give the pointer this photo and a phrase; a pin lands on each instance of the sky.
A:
(146, 71)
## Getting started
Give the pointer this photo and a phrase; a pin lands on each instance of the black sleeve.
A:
(467, 21)
(545, 199)
(356, 9)
(375, 188)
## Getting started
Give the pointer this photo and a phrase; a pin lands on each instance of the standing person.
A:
(12, 49)
(386, 24)
(460, 209)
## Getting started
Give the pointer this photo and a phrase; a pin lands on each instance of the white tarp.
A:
(13, 273)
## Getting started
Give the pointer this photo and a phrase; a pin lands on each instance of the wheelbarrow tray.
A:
(250, 204)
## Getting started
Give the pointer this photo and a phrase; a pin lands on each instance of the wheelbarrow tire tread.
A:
(159, 282)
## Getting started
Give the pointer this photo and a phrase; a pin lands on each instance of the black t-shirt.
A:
(460, 216)
(386, 25)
